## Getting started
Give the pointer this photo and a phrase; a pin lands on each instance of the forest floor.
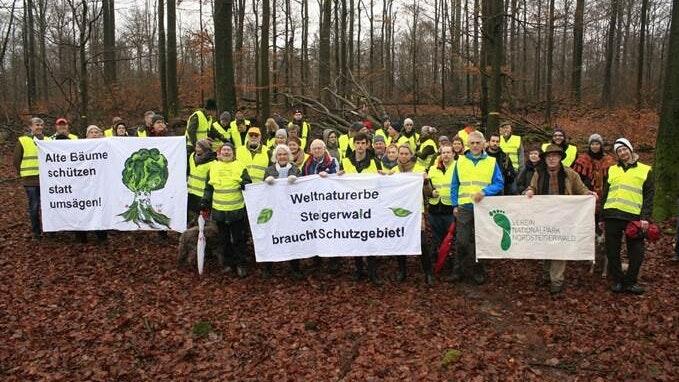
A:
(125, 311)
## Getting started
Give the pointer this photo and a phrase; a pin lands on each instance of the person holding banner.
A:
(93, 132)
(476, 176)
(298, 155)
(556, 179)
(628, 198)
(359, 162)
(26, 163)
(199, 164)
(226, 179)
(405, 164)
(254, 155)
(439, 208)
(282, 168)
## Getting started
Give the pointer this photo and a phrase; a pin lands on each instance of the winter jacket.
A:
(312, 166)
(526, 175)
(507, 168)
(648, 191)
(569, 182)
(593, 169)
(272, 171)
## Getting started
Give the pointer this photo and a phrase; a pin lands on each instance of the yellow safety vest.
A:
(382, 133)
(304, 133)
(412, 141)
(349, 167)
(203, 126)
(256, 163)
(426, 162)
(511, 148)
(225, 178)
(216, 143)
(464, 135)
(571, 154)
(29, 161)
(234, 134)
(197, 176)
(441, 182)
(400, 141)
(625, 192)
(417, 169)
(345, 142)
(141, 133)
(473, 178)
(108, 132)
(306, 156)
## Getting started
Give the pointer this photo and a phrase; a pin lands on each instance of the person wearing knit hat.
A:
(627, 197)
(559, 138)
(158, 126)
(93, 131)
(592, 166)
(394, 134)
(410, 133)
(426, 150)
(199, 162)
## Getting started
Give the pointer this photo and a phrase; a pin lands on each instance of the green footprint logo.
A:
(503, 222)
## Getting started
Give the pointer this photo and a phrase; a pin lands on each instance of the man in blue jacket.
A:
(476, 176)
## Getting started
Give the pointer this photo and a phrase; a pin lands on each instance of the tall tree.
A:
(666, 169)
(610, 52)
(108, 14)
(495, 54)
(29, 53)
(162, 57)
(324, 49)
(224, 65)
(640, 62)
(578, 39)
(172, 91)
(550, 62)
(263, 86)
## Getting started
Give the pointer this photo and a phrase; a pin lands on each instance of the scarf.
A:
(298, 158)
(283, 171)
(548, 183)
(314, 166)
(408, 167)
(388, 163)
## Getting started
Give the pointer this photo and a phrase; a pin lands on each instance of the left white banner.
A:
(122, 184)
(348, 215)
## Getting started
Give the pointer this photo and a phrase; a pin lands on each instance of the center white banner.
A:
(543, 227)
(113, 183)
(348, 215)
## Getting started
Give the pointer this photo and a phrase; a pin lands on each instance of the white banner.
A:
(113, 183)
(348, 215)
(543, 227)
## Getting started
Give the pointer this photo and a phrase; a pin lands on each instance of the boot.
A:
(401, 276)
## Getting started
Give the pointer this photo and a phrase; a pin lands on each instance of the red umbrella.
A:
(444, 249)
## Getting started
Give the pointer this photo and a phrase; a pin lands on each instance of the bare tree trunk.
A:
(29, 54)
(263, 85)
(83, 80)
(413, 37)
(538, 55)
(550, 62)
(496, 54)
(371, 55)
(162, 59)
(225, 91)
(475, 44)
(42, 36)
(304, 72)
(274, 48)
(640, 61)
(444, 13)
(610, 49)
(324, 50)
(109, 42)
(564, 37)
(344, 59)
(578, 39)
(172, 89)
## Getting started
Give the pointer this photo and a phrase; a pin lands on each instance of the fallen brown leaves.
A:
(125, 312)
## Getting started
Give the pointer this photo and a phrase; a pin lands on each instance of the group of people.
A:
(225, 154)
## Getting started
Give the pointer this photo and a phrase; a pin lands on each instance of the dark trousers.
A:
(425, 258)
(439, 228)
(33, 194)
(233, 236)
(635, 252)
(465, 245)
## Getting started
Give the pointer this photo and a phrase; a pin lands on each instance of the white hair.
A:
(279, 148)
(477, 134)
(36, 121)
(408, 121)
(317, 142)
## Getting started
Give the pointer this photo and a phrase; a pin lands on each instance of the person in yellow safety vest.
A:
(476, 175)
(26, 164)
(298, 156)
(407, 165)
(304, 128)
(62, 129)
(559, 138)
(553, 178)
(394, 135)
(512, 146)
(464, 134)
(219, 131)
(360, 162)
(224, 186)
(199, 162)
(382, 131)
(439, 208)
(628, 197)
(254, 156)
(270, 127)
(346, 141)
(198, 125)
(238, 129)
(426, 147)
(142, 131)
(409, 133)
(111, 131)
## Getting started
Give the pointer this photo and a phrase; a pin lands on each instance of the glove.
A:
(205, 213)
(269, 180)
(292, 179)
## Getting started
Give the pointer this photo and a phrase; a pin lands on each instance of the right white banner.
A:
(541, 228)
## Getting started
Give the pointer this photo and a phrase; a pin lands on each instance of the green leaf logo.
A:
(400, 212)
(264, 216)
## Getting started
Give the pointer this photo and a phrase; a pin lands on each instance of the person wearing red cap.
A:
(304, 127)
(556, 179)
(62, 130)
(628, 197)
